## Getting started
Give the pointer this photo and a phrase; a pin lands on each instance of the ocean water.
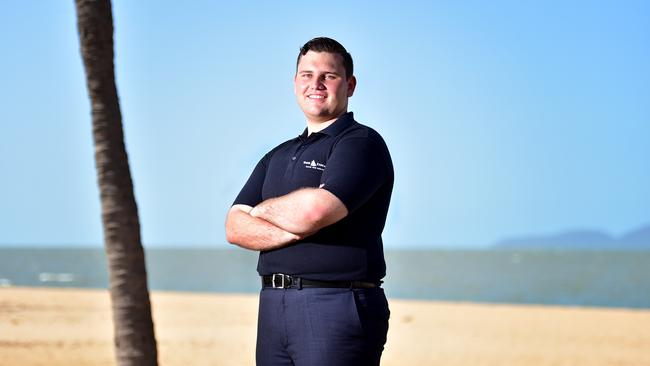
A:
(553, 277)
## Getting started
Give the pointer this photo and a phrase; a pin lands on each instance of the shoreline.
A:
(65, 326)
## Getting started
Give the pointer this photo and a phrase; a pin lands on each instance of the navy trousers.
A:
(321, 326)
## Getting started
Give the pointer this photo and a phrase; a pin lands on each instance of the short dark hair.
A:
(324, 44)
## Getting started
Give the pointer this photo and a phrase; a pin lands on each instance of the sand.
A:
(54, 327)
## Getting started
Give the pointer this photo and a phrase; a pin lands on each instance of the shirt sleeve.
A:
(357, 167)
(251, 193)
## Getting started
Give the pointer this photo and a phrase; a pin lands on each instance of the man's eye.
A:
(330, 77)
(305, 76)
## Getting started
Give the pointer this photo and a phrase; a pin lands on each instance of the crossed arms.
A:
(283, 220)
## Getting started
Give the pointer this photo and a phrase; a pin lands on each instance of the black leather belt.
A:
(279, 280)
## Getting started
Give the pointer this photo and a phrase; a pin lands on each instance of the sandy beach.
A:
(54, 327)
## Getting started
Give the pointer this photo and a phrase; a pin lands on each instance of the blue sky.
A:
(503, 118)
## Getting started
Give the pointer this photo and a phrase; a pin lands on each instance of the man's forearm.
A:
(254, 233)
(302, 212)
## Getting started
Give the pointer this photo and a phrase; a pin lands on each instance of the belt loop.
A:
(299, 283)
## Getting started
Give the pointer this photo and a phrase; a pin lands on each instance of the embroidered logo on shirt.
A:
(314, 165)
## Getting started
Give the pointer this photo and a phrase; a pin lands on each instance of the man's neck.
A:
(315, 126)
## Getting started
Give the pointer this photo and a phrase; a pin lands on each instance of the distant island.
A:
(581, 239)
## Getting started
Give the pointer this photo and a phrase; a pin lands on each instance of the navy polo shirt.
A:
(351, 161)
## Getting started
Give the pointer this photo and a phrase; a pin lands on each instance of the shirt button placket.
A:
(292, 164)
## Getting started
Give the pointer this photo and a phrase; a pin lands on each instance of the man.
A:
(315, 207)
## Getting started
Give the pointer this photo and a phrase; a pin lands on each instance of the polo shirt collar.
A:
(343, 122)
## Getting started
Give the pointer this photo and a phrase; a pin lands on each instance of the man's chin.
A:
(319, 115)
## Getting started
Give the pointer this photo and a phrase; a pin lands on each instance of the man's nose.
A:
(317, 83)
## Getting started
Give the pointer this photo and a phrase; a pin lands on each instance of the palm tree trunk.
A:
(135, 343)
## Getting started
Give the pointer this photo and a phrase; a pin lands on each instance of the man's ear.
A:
(295, 89)
(352, 83)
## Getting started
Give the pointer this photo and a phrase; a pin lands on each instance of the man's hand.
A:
(302, 212)
(254, 233)
(280, 221)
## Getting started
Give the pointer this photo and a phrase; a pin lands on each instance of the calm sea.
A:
(581, 278)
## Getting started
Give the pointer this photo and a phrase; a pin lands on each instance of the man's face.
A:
(321, 87)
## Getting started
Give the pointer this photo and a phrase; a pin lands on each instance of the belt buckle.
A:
(284, 283)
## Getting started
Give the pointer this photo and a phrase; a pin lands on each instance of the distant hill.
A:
(581, 239)
(639, 238)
